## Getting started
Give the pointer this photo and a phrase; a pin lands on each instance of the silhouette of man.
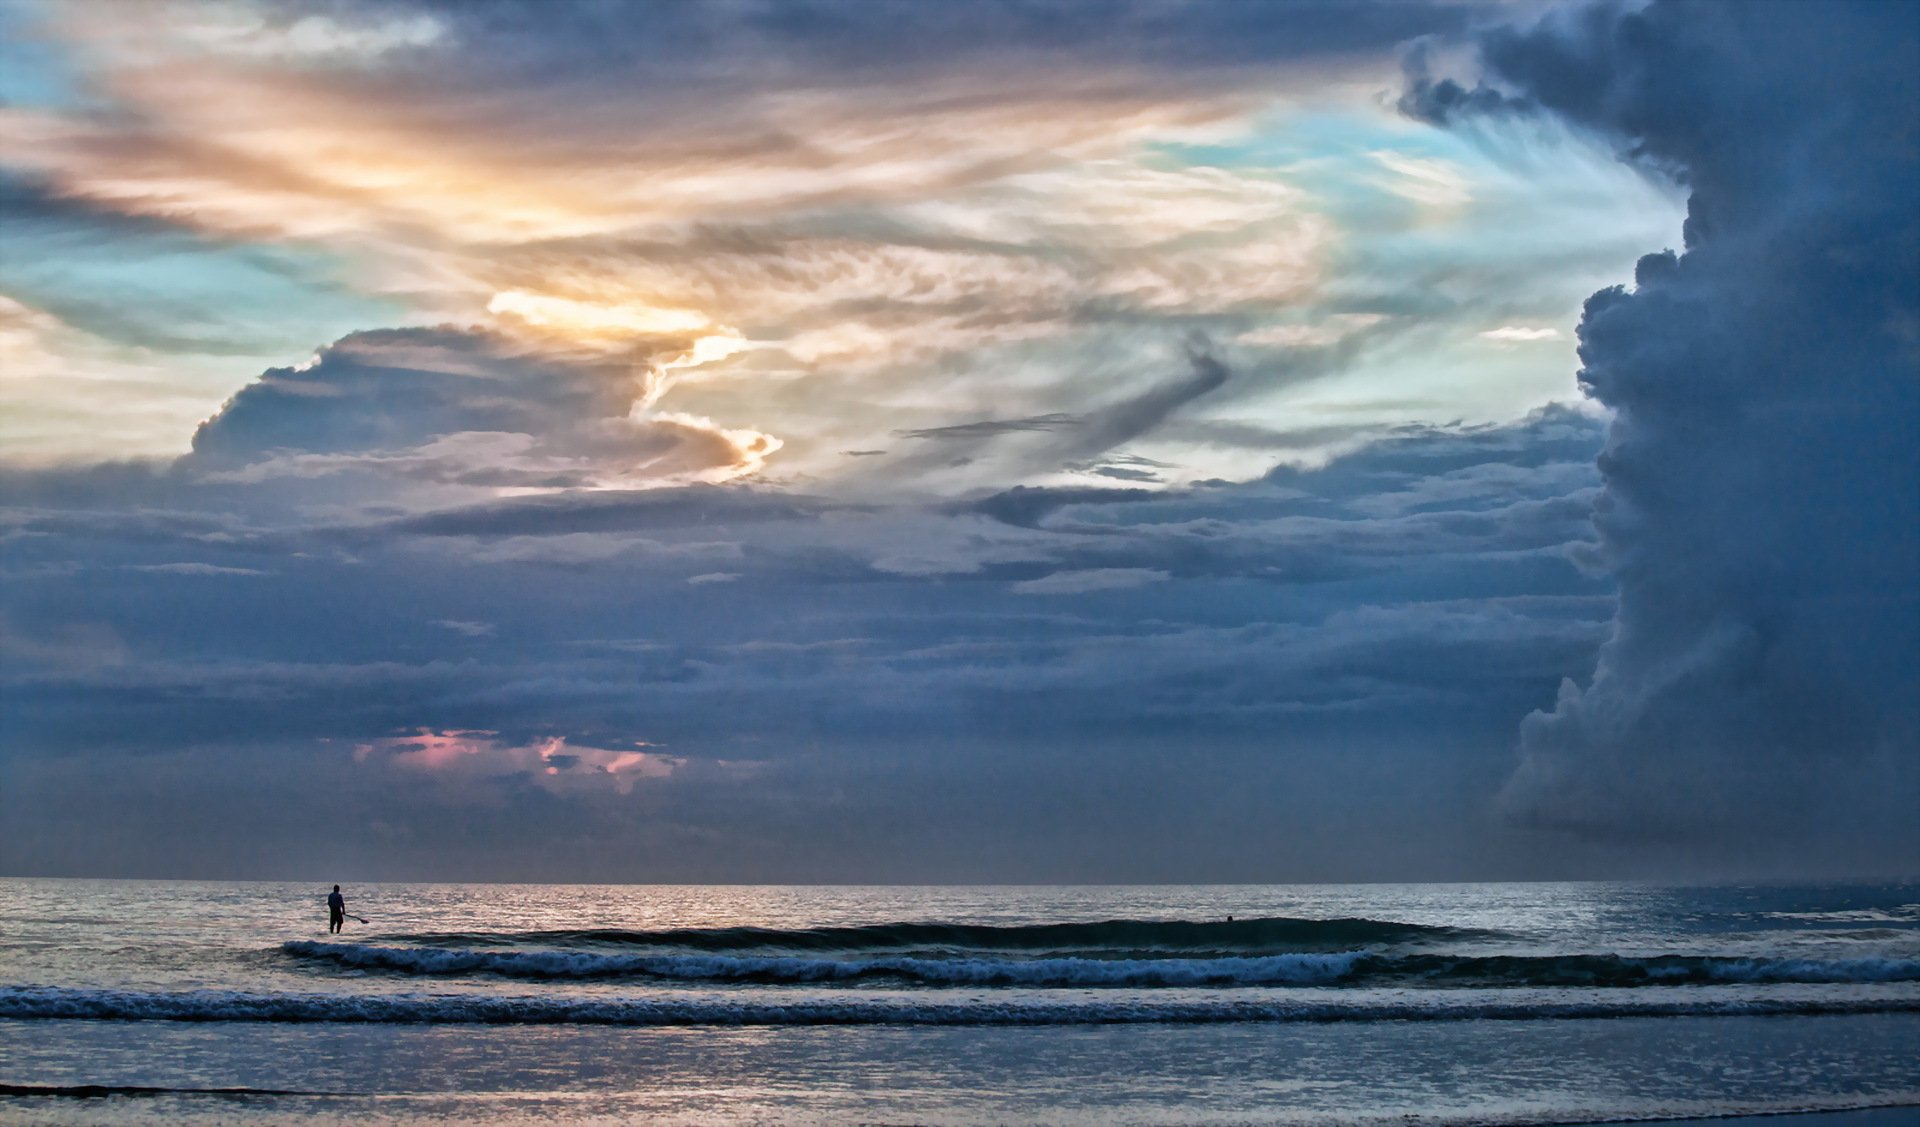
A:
(336, 910)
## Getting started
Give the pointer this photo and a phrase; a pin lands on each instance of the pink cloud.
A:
(457, 755)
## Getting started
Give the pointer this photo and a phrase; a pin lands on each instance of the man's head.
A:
(336, 888)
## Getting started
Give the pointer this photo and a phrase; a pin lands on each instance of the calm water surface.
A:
(1312, 1004)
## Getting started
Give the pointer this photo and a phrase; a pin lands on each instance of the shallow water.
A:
(1460, 1003)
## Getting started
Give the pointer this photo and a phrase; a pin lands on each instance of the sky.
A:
(875, 441)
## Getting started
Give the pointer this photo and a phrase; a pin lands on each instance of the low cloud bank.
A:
(1307, 675)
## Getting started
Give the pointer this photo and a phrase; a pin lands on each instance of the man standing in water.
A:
(336, 910)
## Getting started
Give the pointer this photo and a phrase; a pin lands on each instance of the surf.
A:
(68, 1003)
(1268, 933)
(1281, 969)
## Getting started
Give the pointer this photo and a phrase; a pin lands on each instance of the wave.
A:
(1902, 914)
(1296, 969)
(1264, 934)
(67, 1003)
(102, 1091)
(1611, 971)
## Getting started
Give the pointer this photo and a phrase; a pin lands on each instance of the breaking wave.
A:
(1290, 969)
(63, 1003)
(1298, 969)
(1266, 934)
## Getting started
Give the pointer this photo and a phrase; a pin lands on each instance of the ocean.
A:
(159, 1001)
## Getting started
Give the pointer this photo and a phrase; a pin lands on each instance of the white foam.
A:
(56, 1002)
(1291, 969)
(1295, 969)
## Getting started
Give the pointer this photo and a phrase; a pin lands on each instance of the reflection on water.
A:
(1378, 1073)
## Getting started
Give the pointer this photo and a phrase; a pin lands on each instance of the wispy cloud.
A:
(1521, 334)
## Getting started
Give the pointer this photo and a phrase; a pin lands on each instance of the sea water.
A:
(1495, 1003)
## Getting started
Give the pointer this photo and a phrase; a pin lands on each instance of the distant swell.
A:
(1296, 969)
(52, 1002)
(1267, 934)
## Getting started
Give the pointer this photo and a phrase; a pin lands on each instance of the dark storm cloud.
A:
(1761, 505)
(1445, 101)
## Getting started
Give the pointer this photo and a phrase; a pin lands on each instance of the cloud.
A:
(1107, 428)
(409, 75)
(786, 354)
(1761, 499)
(766, 210)
(594, 511)
(1521, 334)
(315, 37)
(744, 222)
(1295, 636)
(990, 428)
(1324, 332)
(194, 569)
(997, 450)
(465, 629)
(462, 758)
(458, 410)
(1305, 600)
(1092, 579)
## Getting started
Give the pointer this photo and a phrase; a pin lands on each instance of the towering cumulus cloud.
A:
(451, 409)
(1761, 507)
